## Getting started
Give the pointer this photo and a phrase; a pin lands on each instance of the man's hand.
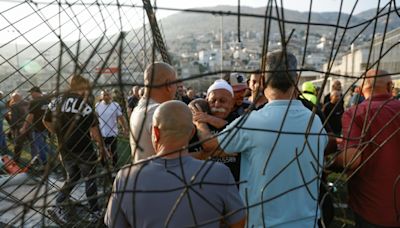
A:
(201, 117)
(23, 130)
(349, 158)
(125, 132)
(104, 153)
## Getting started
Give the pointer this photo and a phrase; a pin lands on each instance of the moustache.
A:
(213, 110)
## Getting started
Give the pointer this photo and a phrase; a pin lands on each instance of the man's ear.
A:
(156, 132)
(194, 131)
(390, 87)
(169, 85)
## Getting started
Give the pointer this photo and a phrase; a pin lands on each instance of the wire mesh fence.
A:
(110, 44)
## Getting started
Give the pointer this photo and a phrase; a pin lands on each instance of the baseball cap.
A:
(237, 81)
(35, 89)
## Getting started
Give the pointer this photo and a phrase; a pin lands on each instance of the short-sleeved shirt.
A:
(280, 172)
(372, 188)
(152, 193)
(108, 118)
(72, 118)
(140, 126)
(37, 107)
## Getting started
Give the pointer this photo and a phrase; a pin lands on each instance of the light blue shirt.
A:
(278, 196)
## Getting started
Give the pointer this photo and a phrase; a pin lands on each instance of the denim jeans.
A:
(75, 171)
(40, 145)
(19, 141)
(3, 144)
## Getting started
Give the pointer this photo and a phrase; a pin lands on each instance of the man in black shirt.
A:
(257, 98)
(333, 111)
(181, 94)
(33, 121)
(133, 100)
(18, 111)
(74, 121)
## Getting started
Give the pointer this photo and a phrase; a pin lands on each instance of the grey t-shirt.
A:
(155, 194)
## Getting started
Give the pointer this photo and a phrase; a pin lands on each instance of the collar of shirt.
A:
(380, 97)
(172, 162)
(284, 103)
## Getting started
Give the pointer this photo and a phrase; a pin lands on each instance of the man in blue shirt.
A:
(282, 148)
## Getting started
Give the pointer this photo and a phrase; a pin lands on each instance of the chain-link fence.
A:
(110, 43)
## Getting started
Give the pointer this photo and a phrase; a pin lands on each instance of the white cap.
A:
(220, 84)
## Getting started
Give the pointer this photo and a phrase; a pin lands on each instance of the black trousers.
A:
(75, 171)
(111, 144)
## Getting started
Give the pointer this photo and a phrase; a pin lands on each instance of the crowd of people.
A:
(251, 152)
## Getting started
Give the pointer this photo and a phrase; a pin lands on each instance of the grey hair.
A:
(280, 70)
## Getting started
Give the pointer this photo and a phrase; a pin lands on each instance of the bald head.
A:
(158, 73)
(158, 77)
(337, 85)
(16, 96)
(174, 120)
(377, 81)
(377, 78)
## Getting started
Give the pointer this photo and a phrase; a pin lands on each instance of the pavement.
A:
(25, 204)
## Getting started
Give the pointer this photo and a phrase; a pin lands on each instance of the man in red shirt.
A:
(371, 154)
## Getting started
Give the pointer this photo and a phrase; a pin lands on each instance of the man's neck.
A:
(172, 153)
(376, 92)
(157, 98)
(275, 94)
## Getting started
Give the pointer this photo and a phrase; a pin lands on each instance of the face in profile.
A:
(255, 82)
(172, 86)
(220, 102)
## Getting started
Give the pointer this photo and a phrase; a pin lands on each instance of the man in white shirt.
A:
(160, 86)
(110, 114)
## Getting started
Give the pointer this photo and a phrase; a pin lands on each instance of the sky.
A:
(300, 5)
(21, 17)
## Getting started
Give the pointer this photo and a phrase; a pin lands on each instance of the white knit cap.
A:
(220, 84)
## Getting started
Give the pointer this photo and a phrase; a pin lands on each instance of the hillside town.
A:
(223, 124)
